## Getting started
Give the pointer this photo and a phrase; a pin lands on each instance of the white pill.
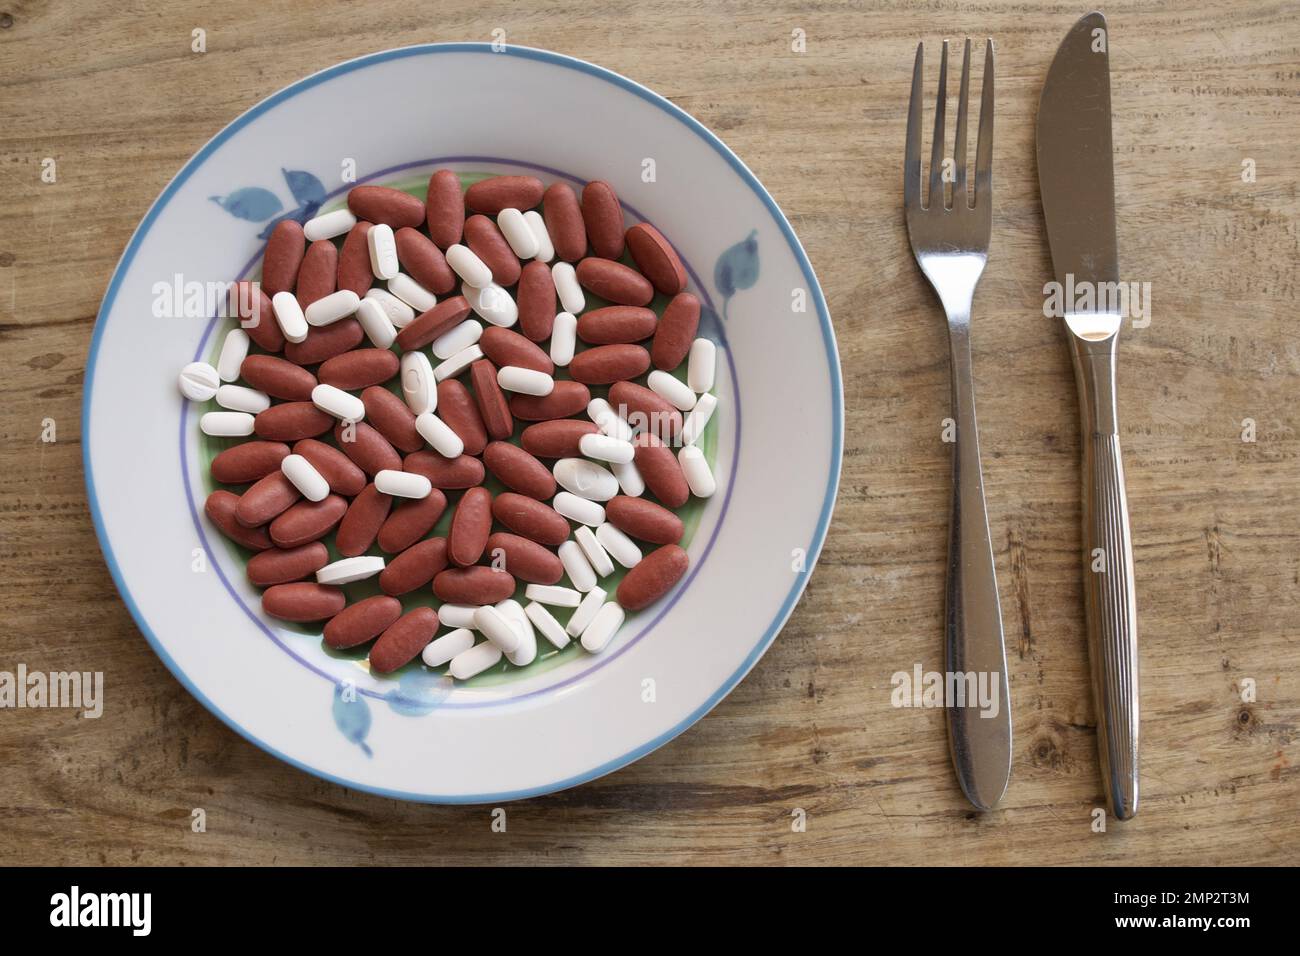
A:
(331, 308)
(593, 551)
(576, 566)
(497, 628)
(553, 595)
(545, 622)
(545, 248)
(457, 363)
(383, 251)
(457, 615)
(340, 404)
(567, 288)
(629, 479)
(693, 427)
(461, 337)
(696, 469)
(578, 509)
(419, 384)
(376, 324)
(305, 477)
(586, 611)
(468, 266)
(347, 570)
(402, 484)
(199, 381)
(492, 303)
(610, 422)
(604, 448)
(701, 364)
(329, 225)
(526, 652)
(439, 434)
(237, 398)
(564, 338)
(226, 424)
(398, 312)
(474, 661)
(518, 233)
(586, 479)
(620, 547)
(412, 293)
(672, 389)
(602, 629)
(288, 315)
(442, 649)
(525, 381)
(233, 352)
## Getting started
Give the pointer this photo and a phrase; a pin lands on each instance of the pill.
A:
(629, 478)
(284, 251)
(525, 381)
(374, 320)
(343, 475)
(444, 208)
(412, 293)
(661, 470)
(406, 525)
(486, 241)
(531, 518)
(567, 398)
(392, 418)
(653, 577)
(605, 448)
(318, 274)
(568, 288)
(644, 410)
(234, 349)
(248, 461)
(579, 509)
(226, 424)
(656, 259)
(526, 652)
(603, 627)
(419, 384)
(354, 260)
(383, 204)
(269, 497)
(360, 525)
(439, 434)
(696, 469)
(474, 661)
(586, 479)
(442, 649)
(492, 303)
(526, 560)
(491, 401)
(404, 640)
(358, 369)
(220, 507)
(553, 595)
(290, 421)
(536, 297)
(368, 449)
(458, 615)
(303, 602)
(328, 225)
(608, 420)
(335, 306)
(556, 439)
(613, 281)
(545, 622)
(518, 470)
(701, 365)
(671, 389)
(278, 377)
(423, 261)
(414, 567)
(576, 566)
(603, 216)
(545, 248)
(607, 364)
(586, 611)
(460, 337)
(361, 622)
(288, 315)
(472, 270)
(619, 546)
(402, 484)
(520, 235)
(497, 628)
(398, 312)
(564, 338)
(563, 218)
(383, 251)
(617, 324)
(495, 193)
(199, 381)
(336, 402)
(645, 520)
(347, 570)
(471, 523)
(282, 565)
(440, 318)
(305, 477)
(594, 551)
(249, 303)
(507, 347)
(693, 427)
(676, 331)
(456, 407)
(453, 366)
(308, 521)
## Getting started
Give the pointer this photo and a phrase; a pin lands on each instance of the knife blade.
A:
(1077, 184)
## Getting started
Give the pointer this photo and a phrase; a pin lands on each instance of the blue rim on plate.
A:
(608, 76)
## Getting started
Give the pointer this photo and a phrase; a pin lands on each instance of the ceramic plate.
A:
(774, 443)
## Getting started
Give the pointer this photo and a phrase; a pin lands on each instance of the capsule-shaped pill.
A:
(671, 389)
(507, 347)
(412, 293)
(675, 332)
(656, 258)
(442, 649)
(350, 570)
(308, 521)
(661, 471)
(334, 401)
(701, 365)
(563, 218)
(560, 438)
(226, 424)
(458, 615)
(576, 566)
(278, 377)
(594, 551)
(398, 312)
(408, 524)
(629, 478)
(553, 595)
(586, 612)
(282, 565)
(619, 546)
(284, 251)
(567, 398)
(531, 518)
(545, 248)
(391, 418)
(526, 652)
(698, 419)
(404, 639)
(475, 661)
(355, 272)
(444, 209)
(234, 349)
(328, 225)
(368, 449)
(361, 622)
(289, 316)
(325, 343)
(485, 240)
(494, 625)
(607, 364)
(378, 326)
(603, 216)
(305, 477)
(696, 469)
(465, 471)
(441, 318)
(383, 204)
(303, 602)
(332, 308)
(605, 448)
(237, 398)
(522, 239)
(456, 407)
(471, 523)
(415, 567)
(318, 274)
(220, 507)
(491, 195)
(450, 368)
(586, 479)
(358, 369)
(568, 288)
(419, 386)
(199, 381)
(402, 484)
(564, 338)
(267, 498)
(526, 560)
(423, 261)
(578, 509)
(472, 270)
(383, 251)
(248, 461)
(545, 622)
(343, 475)
(614, 281)
(617, 324)
(290, 421)
(360, 526)
(597, 635)
(439, 434)
(653, 577)
(459, 337)
(525, 381)
(518, 470)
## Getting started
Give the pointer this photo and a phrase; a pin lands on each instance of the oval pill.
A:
(696, 469)
(531, 518)
(619, 546)
(348, 570)
(463, 472)
(656, 258)
(597, 635)
(474, 661)
(472, 270)
(318, 274)
(586, 479)
(402, 484)
(383, 204)
(520, 235)
(492, 303)
(220, 507)
(526, 560)
(661, 470)
(289, 316)
(248, 461)
(471, 523)
(199, 381)
(355, 272)
(408, 524)
(486, 241)
(525, 381)
(226, 424)
(645, 520)
(526, 652)
(671, 389)
(383, 251)
(495, 193)
(653, 577)
(419, 384)
(368, 449)
(614, 281)
(545, 622)
(645, 410)
(390, 416)
(269, 497)
(594, 551)
(404, 640)
(332, 308)
(360, 525)
(424, 261)
(378, 326)
(607, 364)
(564, 338)
(234, 349)
(563, 218)
(361, 622)
(358, 369)
(325, 342)
(559, 438)
(303, 602)
(414, 567)
(579, 509)
(444, 208)
(284, 251)
(507, 347)
(282, 565)
(290, 421)
(603, 216)
(567, 398)
(676, 331)
(567, 287)
(456, 407)
(278, 377)
(576, 566)
(305, 477)
(237, 398)
(586, 611)
(518, 470)
(308, 521)
(439, 434)
(701, 365)
(343, 475)
(442, 649)
(334, 401)
(545, 248)
(329, 225)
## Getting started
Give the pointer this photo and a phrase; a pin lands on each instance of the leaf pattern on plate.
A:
(737, 269)
(252, 203)
(352, 716)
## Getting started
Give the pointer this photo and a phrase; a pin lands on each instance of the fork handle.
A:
(980, 737)
(1110, 607)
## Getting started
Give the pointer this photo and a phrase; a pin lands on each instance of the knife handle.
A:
(1110, 607)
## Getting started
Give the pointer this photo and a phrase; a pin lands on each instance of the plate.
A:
(775, 442)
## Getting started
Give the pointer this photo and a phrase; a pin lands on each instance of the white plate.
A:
(779, 427)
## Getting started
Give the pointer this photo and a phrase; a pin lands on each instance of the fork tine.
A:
(912, 155)
(959, 148)
(984, 150)
(936, 149)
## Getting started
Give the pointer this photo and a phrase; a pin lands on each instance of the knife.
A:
(1077, 183)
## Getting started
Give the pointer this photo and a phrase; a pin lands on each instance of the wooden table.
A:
(115, 95)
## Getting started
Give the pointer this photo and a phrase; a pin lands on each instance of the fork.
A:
(951, 246)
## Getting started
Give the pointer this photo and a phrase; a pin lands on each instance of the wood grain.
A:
(114, 94)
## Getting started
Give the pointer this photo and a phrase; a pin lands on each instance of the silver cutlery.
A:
(950, 242)
(1076, 179)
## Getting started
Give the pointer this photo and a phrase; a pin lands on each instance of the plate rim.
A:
(674, 111)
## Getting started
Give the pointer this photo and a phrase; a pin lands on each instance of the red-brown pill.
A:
(457, 408)
(537, 301)
(403, 640)
(518, 470)
(531, 518)
(248, 303)
(355, 272)
(653, 577)
(676, 332)
(606, 364)
(220, 508)
(603, 217)
(318, 272)
(563, 217)
(645, 410)
(290, 421)
(617, 325)
(614, 281)
(366, 447)
(338, 470)
(284, 251)
(361, 622)
(278, 377)
(432, 323)
(423, 261)
(485, 241)
(414, 567)
(358, 369)
(644, 519)
(391, 417)
(248, 461)
(269, 496)
(556, 439)
(463, 471)
(308, 521)
(444, 209)
(392, 207)
(477, 585)
(506, 347)
(492, 195)
(658, 466)
(471, 523)
(282, 565)
(526, 560)
(567, 398)
(325, 342)
(411, 521)
(360, 526)
(303, 602)
(491, 400)
(656, 258)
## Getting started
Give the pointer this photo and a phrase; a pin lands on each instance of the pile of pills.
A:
(365, 406)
